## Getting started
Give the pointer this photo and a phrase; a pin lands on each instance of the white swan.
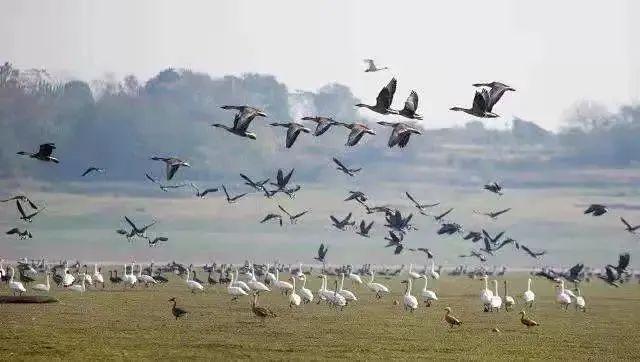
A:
(97, 276)
(335, 299)
(580, 303)
(508, 300)
(496, 300)
(299, 274)
(412, 274)
(192, 284)
(129, 279)
(562, 297)
(376, 287)
(79, 288)
(433, 273)
(234, 289)
(306, 294)
(269, 277)
(349, 296)
(284, 287)
(2, 271)
(254, 284)
(428, 295)
(43, 287)
(323, 292)
(294, 298)
(67, 278)
(355, 278)
(16, 287)
(410, 302)
(529, 296)
(144, 278)
(486, 294)
(239, 283)
(87, 277)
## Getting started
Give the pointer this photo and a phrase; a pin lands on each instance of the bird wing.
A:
(89, 170)
(625, 223)
(385, 97)
(269, 217)
(283, 210)
(346, 219)
(398, 249)
(525, 248)
(590, 209)
(280, 177)
(246, 178)
(494, 96)
(225, 192)
(213, 189)
(131, 223)
(150, 178)
(368, 228)
(46, 149)
(355, 135)
(20, 210)
(333, 218)
(479, 101)
(337, 162)
(611, 274)
(623, 261)
(13, 231)
(172, 168)
(411, 104)
(292, 134)
(238, 196)
(299, 214)
(288, 177)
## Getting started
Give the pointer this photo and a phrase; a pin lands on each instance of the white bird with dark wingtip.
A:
(371, 66)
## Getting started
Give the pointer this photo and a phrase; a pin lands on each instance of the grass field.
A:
(137, 324)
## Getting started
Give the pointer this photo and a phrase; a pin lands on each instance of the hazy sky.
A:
(554, 53)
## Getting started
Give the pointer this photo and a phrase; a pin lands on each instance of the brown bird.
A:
(357, 131)
(527, 321)
(453, 321)
(176, 311)
(259, 311)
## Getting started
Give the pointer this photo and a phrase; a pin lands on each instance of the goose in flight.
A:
(341, 224)
(322, 253)
(449, 228)
(410, 107)
(203, 193)
(239, 127)
(623, 263)
(474, 254)
(356, 195)
(400, 134)
(173, 164)
(22, 234)
(628, 227)
(347, 171)
(127, 234)
(92, 170)
(395, 241)
(24, 216)
(614, 273)
(257, 185)
(357, 131)
(474, 236)
(438, 218)
(364, 229)
(493, 240)
(596, 210)
(493, 215)
(136, 231)
(246, 111)
(292, 218)
(44, 153)
(384, 99)
(281, 180)
(371, 66)
(494, 187)
(480, 107)
(156, 240)
(162, 187)
(418, 205)
(231, 200)
(293, 130)
(424, 250)
(22, 198)
(531, 253)
(271, 217)
(322, 124)
(496, 91)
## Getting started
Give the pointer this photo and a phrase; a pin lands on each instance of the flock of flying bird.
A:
(397, 223)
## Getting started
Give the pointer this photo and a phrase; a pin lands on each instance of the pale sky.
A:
(555, 53)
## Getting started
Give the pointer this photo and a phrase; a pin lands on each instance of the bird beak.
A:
(511, 89)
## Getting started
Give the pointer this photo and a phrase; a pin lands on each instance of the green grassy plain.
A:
(137, 324)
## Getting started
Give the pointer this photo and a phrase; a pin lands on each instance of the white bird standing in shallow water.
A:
(410, 302)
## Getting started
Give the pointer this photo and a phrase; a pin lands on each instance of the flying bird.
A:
(22, 234)
(493, 215)
(162, 187)
(92, 170)
(531, 253)
(596, 210)
(480, 107)
(628, 227)
(24, 216)
(44, 153)
(494, 187)
(371, 66)
(395, 241)
(156, 240)
(341, 224)
(474, 254)
(400, 134)
(203, 193)
(410, 107)
(281, 180)
(271, 217)
(496, 91)
(424, 250)
(231, 200)
(257, 185)
(292, 218)
(438, 218)
(142, 232)
(356, 195)
(364, 229)
(322, 253)
(418, 205)
(293, 130)
(348, 171)
(357, 131)
(493, 240)
(384, 99)
(474, 236)
(173, 164)
(322, 124)
(22, 198)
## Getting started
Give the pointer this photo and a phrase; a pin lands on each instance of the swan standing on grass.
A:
(376, 287)
(428, 295)
(355, 278)
(144, 278)
(234, 289)
(562, 297)
(323, 292)
(192, 284)
(43, 287)
(410, 302)
(528, 296)
(239, 283)
(79, 288)
(486, 294)
(413, 274)
(284, 287)
(433, 273)
(496, 300)
(129, 279)
(580, 303)
(306, 294)
(336, 299)
(294, 298)
(16, 287)
(255, 285)
(508, 300)
(349, 296)
(97, 276)
(269, 277)
(67, 279)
